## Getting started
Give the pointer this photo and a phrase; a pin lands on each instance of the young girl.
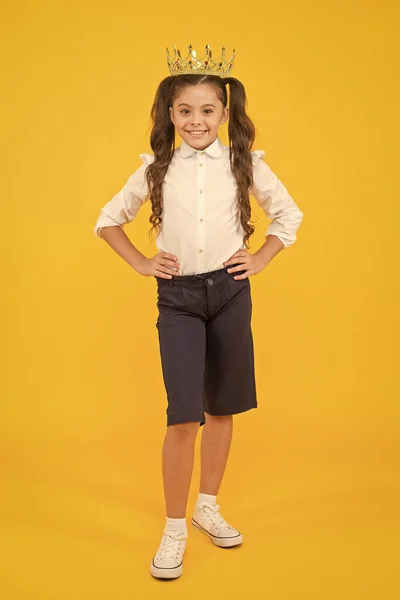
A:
(199, 194)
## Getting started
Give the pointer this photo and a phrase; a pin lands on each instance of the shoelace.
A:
(170, 547)
(212, 512)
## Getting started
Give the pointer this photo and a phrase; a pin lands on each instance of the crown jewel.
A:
(204, 66)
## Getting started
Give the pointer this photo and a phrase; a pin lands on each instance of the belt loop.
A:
(171, 281)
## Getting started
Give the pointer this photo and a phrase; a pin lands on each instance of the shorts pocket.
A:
(169, 296)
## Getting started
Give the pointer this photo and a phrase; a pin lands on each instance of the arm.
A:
(269, 249)
(117, 239)
(254, 263)
(162, 265)
(125, 205)
(278, 205)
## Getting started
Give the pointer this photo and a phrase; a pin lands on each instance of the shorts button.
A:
(210, 281)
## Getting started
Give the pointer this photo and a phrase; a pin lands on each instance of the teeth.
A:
(197, 132)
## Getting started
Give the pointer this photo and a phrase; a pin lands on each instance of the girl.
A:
(199, 194)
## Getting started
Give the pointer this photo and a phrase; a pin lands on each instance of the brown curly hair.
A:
(241, 133)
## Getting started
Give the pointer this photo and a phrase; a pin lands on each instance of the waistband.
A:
(200, 277)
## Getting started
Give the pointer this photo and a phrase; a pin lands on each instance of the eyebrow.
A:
(185, 104)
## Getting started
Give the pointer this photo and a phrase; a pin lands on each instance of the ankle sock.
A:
(176, 526)
(209, 498)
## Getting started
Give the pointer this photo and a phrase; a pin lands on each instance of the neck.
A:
(197, 148)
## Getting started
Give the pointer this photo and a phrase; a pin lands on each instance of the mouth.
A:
(197, 133)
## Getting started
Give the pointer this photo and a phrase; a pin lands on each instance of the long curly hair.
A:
(241, 133)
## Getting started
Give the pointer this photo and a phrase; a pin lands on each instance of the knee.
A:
(184, 431)
(219, 419)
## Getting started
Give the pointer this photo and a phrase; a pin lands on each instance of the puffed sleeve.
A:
(125, 205)
(274, 199)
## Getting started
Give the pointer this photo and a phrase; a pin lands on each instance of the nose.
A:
(196, 121)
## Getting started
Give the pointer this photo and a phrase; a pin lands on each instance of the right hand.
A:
(162, 265)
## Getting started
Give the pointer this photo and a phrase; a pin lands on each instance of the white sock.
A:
(206, 498)
(176, 526)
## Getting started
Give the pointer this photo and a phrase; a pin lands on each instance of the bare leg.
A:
(177, 462)
(215, 445)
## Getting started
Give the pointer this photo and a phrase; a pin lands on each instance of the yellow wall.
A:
(313, 478)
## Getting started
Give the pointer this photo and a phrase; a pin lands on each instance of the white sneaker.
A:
(206, 518)
(167, 562)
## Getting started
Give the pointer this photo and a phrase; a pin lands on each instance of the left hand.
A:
(245, 261)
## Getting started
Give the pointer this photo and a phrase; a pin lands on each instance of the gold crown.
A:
(204, 66)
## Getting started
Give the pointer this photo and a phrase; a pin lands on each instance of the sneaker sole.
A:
(221, 542)
(171, 573)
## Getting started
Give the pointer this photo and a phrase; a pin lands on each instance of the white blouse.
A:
(200, 225)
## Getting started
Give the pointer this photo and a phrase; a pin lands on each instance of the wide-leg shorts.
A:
(206, 345)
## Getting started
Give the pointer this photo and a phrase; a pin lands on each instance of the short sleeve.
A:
(273, 197)
(124, 206)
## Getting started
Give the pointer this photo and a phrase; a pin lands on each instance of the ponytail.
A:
(241, 132)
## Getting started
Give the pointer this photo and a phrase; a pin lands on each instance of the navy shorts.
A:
(206, 345)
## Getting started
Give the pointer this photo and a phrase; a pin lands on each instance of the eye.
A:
(207, 110)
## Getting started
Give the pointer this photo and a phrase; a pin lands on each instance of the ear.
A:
(171, 114)
(225, 115)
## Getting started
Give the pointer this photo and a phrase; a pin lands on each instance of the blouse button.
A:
(200, 250)
(200, 164)
(201, 191)
(201, 220)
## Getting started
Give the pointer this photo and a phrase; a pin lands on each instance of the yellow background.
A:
(313, 476)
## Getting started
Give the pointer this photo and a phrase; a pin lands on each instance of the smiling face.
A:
(198, 109)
